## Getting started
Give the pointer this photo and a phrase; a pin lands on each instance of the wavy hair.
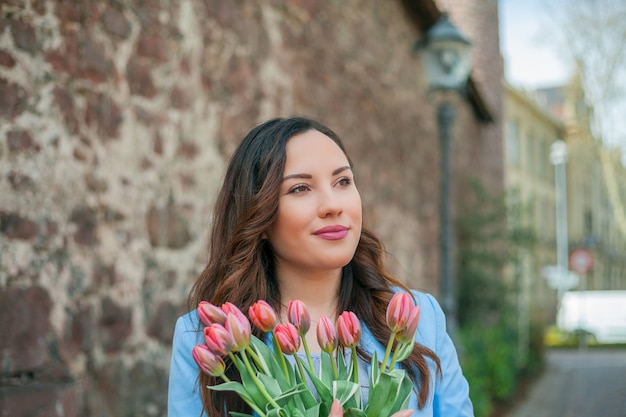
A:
(241, 265)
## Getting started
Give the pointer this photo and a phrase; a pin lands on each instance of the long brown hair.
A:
(241, 266)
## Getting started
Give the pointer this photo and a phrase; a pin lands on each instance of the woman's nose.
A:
(329, 203)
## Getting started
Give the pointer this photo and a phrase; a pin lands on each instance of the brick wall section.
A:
(116, 122)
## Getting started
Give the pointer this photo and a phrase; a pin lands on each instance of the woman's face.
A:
(319, 210)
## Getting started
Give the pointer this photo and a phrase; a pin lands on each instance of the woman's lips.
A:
(332, 232)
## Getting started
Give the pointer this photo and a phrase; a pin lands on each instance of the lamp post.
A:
(558, 158)
(446, 60)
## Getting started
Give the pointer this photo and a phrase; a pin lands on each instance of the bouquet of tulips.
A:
(273, 387)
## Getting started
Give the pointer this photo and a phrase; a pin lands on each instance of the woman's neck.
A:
(319, 292)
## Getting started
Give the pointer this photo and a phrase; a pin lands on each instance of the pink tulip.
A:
(326, 335)
(398, 311)
(219, 340)
(263, 316)
(210, 313)
(348, 329)
(239, 328)
(288, 338)
(407, 334)
(298, 315)
(231, 308)
(207, 361)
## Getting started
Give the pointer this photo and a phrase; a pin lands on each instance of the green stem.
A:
(256, 360)
(256, 381)
(300, 368)
(255, 408)
(355, 366)
(334, 365)
(250, 403)
(308, 353)
(283, 362)
(395, 356)
(383, 364)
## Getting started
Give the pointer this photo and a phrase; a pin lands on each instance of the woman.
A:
(288, 225)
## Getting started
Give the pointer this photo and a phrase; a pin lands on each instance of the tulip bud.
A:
(326, 335)
(231, 308)
(263, 316)
(219, 340)
(209, 313)
(298, 315)
(287, 337)
(207, 361)
(239, 328)
(348, 329)
(398, 311)
(407, 334)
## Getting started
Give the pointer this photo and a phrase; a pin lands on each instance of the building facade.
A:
(596, 184)
(529, 132)
(595, 188)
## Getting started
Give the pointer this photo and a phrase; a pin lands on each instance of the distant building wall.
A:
(530, 130)
(596, 215)
(116, 122)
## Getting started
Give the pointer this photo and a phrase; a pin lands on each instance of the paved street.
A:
(588, 383)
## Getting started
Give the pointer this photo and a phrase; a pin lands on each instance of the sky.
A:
(530, 54)
(532, 59)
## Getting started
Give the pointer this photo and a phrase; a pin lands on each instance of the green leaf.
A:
(270, 384)
(391, 394)
(277, 412)
(354, 412)
(345, 391)
(273, 362)
(375, 370)
(233, 386)
(342, 367)
(248, 383)
(326, 368)
(378, 396)
(323, 390)
(297, 390)
(405, 351)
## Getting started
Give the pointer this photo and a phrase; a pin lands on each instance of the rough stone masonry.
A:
(116, 121)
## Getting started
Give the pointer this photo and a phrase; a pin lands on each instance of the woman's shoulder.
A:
(187, 328)
(427, 302)
(189, 320)
(432, 319)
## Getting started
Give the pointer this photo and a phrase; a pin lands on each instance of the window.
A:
(512, 147)
(532, 154)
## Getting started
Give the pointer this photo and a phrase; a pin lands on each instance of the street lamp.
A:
(558, 158)
(446, 59)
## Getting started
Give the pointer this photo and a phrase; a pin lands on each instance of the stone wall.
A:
(116, 121)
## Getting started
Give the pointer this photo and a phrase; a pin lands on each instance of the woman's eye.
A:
(298, 189)
(345, 181)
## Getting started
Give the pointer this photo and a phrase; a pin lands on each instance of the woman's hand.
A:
(337, 411)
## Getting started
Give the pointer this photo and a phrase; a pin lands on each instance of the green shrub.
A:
(486, 300)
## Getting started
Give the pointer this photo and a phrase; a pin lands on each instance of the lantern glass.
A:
(446, 56)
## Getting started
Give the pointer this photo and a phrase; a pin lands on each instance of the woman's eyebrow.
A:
(340, 170)
(309, 176)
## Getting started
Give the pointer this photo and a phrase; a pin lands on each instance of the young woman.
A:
(288, 225)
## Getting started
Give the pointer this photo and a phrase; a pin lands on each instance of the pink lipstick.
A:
(335, 232)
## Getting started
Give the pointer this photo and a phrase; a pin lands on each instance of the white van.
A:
(599, 313)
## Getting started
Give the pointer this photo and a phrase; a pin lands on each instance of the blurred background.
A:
(489, 145)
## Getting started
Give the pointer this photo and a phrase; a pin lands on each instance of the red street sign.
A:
(581, 261)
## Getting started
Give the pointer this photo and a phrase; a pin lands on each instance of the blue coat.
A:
(449, 398)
